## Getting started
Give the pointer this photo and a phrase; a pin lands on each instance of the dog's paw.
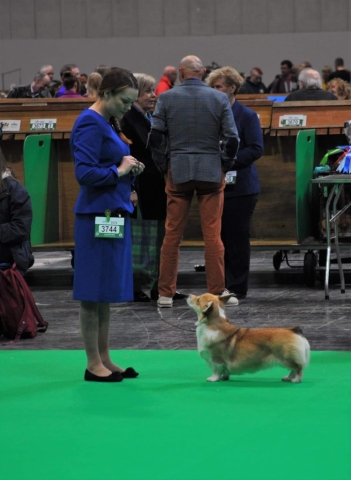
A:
(289, 378)
(296, 379)
(213, 378)
(224, 377)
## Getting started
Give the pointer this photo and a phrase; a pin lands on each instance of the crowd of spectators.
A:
(44, 84)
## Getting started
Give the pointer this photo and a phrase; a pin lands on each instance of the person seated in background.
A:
(304, 65)
(286, 82)
(37, 89)
(83, 84)
(253, 84)
(72, 86)
(47, 70)
(167, 80)
(326, 71)
(340, 88)
(93, 85)
(67, 68)
(310, 88)
(15, 221)
(54, 85)
(340, 71)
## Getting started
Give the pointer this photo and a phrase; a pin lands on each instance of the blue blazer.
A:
(194, 118)
(250, 150)
(97, 151)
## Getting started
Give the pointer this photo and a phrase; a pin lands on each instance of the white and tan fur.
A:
(228, 349)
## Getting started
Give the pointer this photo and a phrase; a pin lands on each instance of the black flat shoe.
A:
(141, 297)
(114, 377)
(129, 373)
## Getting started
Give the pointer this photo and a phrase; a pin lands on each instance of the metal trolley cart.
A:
(317, 248)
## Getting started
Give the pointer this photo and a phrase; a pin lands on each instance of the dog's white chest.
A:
(206, 336)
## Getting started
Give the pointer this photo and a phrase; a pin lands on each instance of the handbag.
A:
(19, 315)
(145, 249)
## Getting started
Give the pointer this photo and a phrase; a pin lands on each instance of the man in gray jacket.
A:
(196, 124)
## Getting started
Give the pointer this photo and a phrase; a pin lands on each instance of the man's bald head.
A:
(171, 73)
(191, 67)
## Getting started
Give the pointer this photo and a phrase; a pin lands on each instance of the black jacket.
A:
(310, 94)
(281, 85)
(24, 91)
(252, 88)
(15, 224)
(150, 185)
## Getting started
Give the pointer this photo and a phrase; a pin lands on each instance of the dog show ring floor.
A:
(169, 423)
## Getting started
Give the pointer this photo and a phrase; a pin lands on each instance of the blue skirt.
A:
(103, 268)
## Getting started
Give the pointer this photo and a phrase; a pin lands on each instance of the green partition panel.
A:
(41, 181)
(307, 202)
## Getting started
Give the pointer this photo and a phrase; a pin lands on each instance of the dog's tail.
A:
(304, 346)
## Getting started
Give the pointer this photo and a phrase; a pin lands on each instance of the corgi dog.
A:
(228, 349)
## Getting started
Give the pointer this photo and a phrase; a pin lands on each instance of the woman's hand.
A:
(131, 165)
(137, 169)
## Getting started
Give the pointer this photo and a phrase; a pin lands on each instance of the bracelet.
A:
(133, 191)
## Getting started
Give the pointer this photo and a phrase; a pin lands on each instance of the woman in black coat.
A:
(150, 185)
(15, 221)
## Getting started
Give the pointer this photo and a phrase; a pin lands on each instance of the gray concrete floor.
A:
(275, 298)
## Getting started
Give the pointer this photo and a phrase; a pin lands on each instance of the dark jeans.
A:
(236, 224)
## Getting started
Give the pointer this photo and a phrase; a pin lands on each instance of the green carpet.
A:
(170, 424)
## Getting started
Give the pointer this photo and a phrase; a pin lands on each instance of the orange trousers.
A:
(210, 197)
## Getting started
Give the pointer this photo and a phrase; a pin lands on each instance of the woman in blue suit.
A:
(242, 184)
(104, 170)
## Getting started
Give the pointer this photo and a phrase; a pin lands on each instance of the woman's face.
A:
(147, 100)
(117, 105)
(220, 85)
(334, 90)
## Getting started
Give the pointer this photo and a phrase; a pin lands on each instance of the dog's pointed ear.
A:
(206, 307)
(225, 297)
